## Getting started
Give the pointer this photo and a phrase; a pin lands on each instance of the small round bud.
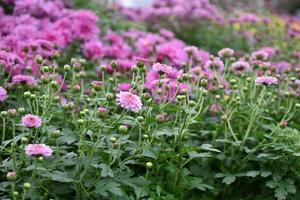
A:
(109, 96)
(27, 186)
(180, 79)
(28, 69)
(56, 99)
(40, 159)
(140, 118)
(192, 103)
(103, 68)
(123, 129)
(232, 81)
(46, 69)
(297, 105)
(114, 64)
(15, 193)
(80, 121)
(54, 84)
(11, 176)
(39, 59)
(67, 67)
(21, 110)
(56, 133)
(27, 94)
(4, 113)
(33, 96)
(149, 165)
(145, 136)
(116, 145)
(113, 139)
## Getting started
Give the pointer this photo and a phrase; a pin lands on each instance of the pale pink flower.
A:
(266, 80)
(31, 121)
(129, 101)
(240, 66)
(38, 150)
(226, 52)
(3, 94)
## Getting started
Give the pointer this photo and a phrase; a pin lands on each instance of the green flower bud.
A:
(149, 165)
(123, 129)
(27, 186)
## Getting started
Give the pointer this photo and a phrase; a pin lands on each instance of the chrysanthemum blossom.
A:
(25, 79)
(226, 52)
(165, 69)
(215, 64)
(240, 66)
(129, 101)
(3, 94)
(266, 80)
(38, 150)
(31, 121)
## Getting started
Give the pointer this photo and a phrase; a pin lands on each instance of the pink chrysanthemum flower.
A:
(129, 101)
(31, 121)
(38, 150)
(266, 80)
(260, 55)
(226, 52)
(240, 66)
(124, 86)
(26, 79)
(3, 94)
(215, 64)
(165, 69)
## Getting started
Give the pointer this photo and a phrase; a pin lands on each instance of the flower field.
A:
(182, 100)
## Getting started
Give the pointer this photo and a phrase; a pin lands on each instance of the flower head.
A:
(226, 52)
(240, 66)
(266, 80)
(31, 121)
(165, 69)
(38, 150)
(3, 94)
(215, 64)
(26, 79)
(124, 86)
(129, 101)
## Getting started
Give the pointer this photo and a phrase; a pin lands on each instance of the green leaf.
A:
(194, 154)
(58, 176)
(229, 179)
(149, 153)
(105, 186)
(106, 170)
(209, 147)
(252, 173)
(281, 193)
(198, 184)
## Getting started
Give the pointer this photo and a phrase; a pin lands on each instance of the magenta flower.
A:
(266, 80)
(31, 121)
(102, 110)
(162, 68)
(93, 49)
(124, 86)
(25, 79)
(38, 150)
(129, 101)
(3, 94)
(226, 52)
